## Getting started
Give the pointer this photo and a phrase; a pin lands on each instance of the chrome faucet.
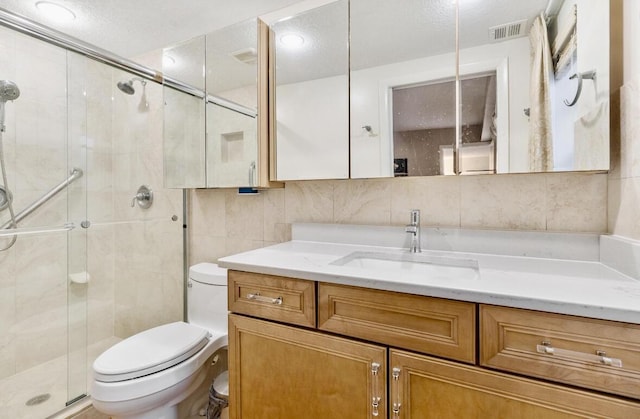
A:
(414, 229)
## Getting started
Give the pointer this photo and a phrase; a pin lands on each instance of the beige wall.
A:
(224, 223)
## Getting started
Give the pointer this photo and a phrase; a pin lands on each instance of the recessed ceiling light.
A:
(55, 12)
(292, 40)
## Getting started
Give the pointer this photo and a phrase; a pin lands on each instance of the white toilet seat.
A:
(143, 386)
(149, 352)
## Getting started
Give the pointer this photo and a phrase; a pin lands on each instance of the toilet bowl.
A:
(146, 375)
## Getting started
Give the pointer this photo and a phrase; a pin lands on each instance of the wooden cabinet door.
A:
(278, 371)
(425, 387)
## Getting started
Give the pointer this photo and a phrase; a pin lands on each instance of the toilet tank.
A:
(207, 297)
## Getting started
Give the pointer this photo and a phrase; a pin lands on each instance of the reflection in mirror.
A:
(311, 97)
(400, 49)
(184, 116)
(232, 85)
(185, 62)
(232, 148)
(547, 54)
(184, 143)
(232, 63)
(529, 136)
(424, 124)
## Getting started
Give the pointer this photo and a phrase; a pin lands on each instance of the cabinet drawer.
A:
(424, 324)
(596, 354)
(273, 297)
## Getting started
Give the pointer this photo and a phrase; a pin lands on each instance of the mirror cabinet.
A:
(311, 81)
(217, 136)
(184, 116)
(389, 88)
(419, 106)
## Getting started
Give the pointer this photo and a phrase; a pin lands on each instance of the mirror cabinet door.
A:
(402, 87)
(312, 93)
(184, 117)
(232, 108)
(523, 64)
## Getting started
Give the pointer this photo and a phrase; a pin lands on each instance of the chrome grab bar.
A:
(75, 174)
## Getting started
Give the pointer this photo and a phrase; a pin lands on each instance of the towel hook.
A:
(589, 75)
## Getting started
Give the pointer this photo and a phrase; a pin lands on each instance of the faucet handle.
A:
(415, 217)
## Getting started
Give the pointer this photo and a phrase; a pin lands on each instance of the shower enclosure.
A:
(84, 268)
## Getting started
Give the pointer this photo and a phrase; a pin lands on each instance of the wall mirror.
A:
(311, 93)
(217, 137)
(184, 116)
(552, 57)
(403, 87)
(232, 105)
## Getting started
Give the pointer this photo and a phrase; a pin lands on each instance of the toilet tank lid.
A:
(208, 273)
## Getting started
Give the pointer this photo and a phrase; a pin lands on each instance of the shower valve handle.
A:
(144, 197)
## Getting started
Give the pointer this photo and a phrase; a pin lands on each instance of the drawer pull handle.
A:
(599, 357)
(375, 399)
(257, 297)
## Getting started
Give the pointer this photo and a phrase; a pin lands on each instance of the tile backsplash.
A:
(223, 222)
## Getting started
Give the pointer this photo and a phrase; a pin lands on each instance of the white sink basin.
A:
(429, 266)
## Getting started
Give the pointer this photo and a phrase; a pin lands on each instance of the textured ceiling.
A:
(132, 27)
(382, 31)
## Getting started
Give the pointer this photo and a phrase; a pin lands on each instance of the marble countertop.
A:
(576, 287)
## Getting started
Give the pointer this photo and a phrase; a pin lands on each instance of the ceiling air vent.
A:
(247, 55)
(508, 31)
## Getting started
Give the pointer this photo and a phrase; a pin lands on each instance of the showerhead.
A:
(8, 91)
(127, 86)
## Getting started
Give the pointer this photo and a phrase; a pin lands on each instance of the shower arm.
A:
(75, 174)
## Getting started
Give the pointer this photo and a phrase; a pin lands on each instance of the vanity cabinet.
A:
(271, 297)
(337, 366)
(429, 325)
(597, 354)
(425, 387)
(284, 372)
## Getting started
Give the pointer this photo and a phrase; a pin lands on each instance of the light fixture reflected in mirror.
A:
(168, 60)
(55, 12)
(292, 40)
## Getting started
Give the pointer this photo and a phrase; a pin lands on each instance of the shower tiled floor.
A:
(48, 378)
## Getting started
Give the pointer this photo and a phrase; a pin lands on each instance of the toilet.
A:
(146, 375)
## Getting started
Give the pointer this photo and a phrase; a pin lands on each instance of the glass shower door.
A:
(43, 304)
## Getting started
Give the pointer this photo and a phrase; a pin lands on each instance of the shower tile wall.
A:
(148, 264)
